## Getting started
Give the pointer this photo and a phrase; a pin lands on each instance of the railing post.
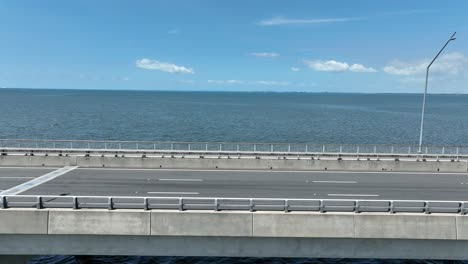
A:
(323, 149)
(458, 150)
(255, 147)
(145, 204)
(409, 150)
(220, 147)
(341, 149)
(375, 149)
(286, 205)
(53, 144)
(392, 207)
(136, 145)
(154, 146)
(237, 147)
(4, 202)
(357, 149)
(307, 148)
(426, 207)
(39, 202)
(75, 202)
(392, 149)
(110, 203)
(251, 205)
(105, 145)
(289, 147)
(321, 206)
(71, 145)
(356, 206)
(271, 147)
(181, 204)
(426, 149)
(206, 147)
(462, 208)
(189, 146)
(443, 150)
(172, 146)
(120, 145)
(216, 204)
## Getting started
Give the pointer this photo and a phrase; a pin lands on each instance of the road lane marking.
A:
(352, 194)
(288, 171)
(334, 181)
(190, 180)
(12, 177)
(176, 193)
(37, 181)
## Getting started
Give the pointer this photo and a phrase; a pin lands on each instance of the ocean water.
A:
(321, 118)
(247, 117)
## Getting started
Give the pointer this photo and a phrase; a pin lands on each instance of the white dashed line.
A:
(176, 193)
(352, 194)
(334, 181)
(190, 180)
(11, 177)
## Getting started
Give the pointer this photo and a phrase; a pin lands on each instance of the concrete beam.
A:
(99, 222)
(201, 223)
(303, 224)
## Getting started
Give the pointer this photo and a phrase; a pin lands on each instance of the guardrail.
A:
(270, 148)
(239, 204)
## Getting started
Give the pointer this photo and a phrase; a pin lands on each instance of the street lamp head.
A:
(453, 39)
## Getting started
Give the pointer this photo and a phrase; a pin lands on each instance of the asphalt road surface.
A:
(241, 183)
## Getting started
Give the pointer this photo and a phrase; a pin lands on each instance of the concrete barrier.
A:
(235, 163)
(298, 224)
(98, 222)
(210, 233)
(201, 223)
(405, 226)
(23, 221)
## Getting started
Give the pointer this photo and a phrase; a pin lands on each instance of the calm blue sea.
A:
(221, 116)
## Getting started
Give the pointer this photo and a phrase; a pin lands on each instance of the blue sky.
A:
(312, 46)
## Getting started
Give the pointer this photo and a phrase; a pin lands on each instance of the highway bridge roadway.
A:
(234, 183)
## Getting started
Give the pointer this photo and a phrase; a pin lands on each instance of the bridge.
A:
(233, 199)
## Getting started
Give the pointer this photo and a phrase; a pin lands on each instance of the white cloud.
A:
(336, 66)
(278, 20)
(361, 68)
(149, 64)
(240, 82)
(451, 63)
(295, 69)
(265, 54)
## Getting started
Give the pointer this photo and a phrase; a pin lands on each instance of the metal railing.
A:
(231, 147)
(237, 204)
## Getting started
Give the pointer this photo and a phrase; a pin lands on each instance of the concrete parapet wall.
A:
(23, 221)
(204, 223)
(210, 233)
(98, 222)
(235, 163)
(233, 223)
(301, 224)
(405, 226)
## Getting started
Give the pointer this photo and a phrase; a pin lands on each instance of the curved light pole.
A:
(425, 91)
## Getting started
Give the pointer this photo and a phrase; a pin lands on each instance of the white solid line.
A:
(282, 171)
(11, 177)
(37, 181)
(31, 168)
(334, 181)
(183, 193)
(191, 180)
(349, 194)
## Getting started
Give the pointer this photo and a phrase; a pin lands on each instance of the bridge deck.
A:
(243, 183)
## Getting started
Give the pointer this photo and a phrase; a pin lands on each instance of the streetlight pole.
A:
(425, 91)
